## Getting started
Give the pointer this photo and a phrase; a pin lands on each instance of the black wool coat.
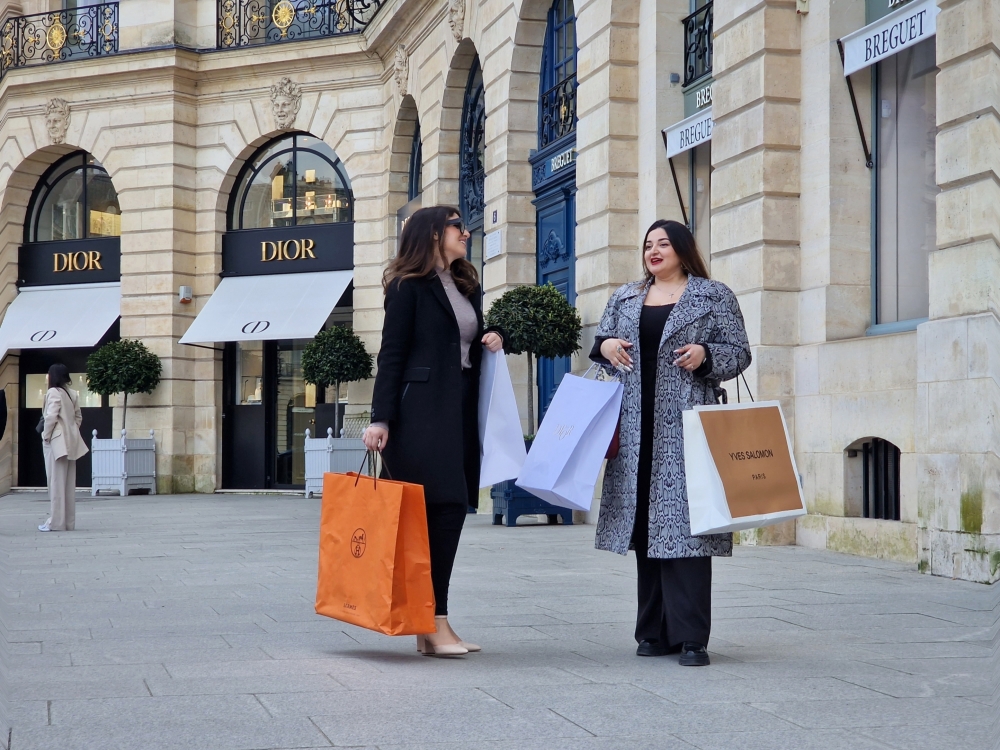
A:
(418, 392)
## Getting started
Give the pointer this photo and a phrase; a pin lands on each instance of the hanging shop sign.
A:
(299, 249)
(69, 262)
(909, 25)
(688, 133)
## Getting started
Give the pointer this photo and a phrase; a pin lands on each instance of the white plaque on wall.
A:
(492, 244)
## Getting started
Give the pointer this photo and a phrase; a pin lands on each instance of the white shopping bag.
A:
(566, 456)
(501, 441)
(740, 467)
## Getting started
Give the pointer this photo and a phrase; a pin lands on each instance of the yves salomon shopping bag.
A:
(740, 467)
(566, 455)
(501, 441)
(374, 559)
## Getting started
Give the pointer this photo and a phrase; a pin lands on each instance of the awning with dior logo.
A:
(59, 317)
(265, 308)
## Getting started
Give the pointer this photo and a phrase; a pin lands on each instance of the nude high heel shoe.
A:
(442, 622)
(427, 646)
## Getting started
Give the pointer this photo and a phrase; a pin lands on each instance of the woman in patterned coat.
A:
(673, 337)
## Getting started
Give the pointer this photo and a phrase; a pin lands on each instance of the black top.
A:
(651, 323)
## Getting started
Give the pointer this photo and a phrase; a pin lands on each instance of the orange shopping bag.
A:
(374, 558)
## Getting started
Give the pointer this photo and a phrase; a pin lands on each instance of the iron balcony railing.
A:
(249, 23)
(558, 113)
(89, 31)
(698, 44)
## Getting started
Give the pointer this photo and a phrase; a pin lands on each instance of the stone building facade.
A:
(855, 217)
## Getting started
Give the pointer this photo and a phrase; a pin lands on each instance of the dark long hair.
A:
(420, 252)
(683, 244)
(59, 377)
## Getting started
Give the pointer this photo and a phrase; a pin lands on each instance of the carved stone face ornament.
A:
(401, 63)
(56, 120)
(456, 18)
(286, 99)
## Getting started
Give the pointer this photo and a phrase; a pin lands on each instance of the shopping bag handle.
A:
(741, 375)
(370, 458)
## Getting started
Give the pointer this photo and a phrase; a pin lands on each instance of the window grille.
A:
(880, 480)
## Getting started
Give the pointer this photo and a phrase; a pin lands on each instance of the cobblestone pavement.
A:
(187, 622)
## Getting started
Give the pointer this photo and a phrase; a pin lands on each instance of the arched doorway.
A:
(472, 161)
(68, 299)
(554, 175)
(287, 271)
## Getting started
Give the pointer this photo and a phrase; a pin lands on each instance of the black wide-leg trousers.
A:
(446, 520)
(675, 595)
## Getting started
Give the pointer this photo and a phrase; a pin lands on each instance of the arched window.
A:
(416, 184)
(294, 181)
(74, 200)
(557, 102)
(472, 175)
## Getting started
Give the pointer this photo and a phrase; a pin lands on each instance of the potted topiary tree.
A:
(337, 355)
(125, 367)
(539, 322)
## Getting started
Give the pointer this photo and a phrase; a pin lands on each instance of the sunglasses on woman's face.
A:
(456, 223)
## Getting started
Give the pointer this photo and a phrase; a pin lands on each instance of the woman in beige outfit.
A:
(63, 445)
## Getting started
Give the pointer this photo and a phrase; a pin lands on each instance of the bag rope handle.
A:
(370, 458)
(741, 375)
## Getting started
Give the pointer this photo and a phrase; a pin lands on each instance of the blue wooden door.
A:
(556, 227)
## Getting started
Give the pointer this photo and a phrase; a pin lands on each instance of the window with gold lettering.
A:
(74, 200)
(295, 181)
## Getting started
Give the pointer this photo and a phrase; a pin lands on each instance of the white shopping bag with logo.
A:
(565, 459)
(501, 441)
(740, 467)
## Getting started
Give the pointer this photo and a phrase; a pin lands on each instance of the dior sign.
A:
(315, 247)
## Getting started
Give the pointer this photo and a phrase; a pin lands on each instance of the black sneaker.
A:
(694, 655)
(651, 648)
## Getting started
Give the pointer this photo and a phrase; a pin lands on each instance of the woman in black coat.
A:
(425, 408)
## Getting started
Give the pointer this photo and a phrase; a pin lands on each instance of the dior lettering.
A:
(41, 336)
(256, 326)
(751, 455)
(82, 260)
(896, 36)
(564, 430)
(287, 250)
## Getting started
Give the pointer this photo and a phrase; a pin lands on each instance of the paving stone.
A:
(187, 622)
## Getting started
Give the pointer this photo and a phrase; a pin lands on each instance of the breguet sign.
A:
(313, 247)
(69, 262)
(910, 24)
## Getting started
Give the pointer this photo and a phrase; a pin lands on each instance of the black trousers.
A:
(675, 596)
(444, 530)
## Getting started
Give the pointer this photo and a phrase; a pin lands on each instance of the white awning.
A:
(258, 308)
(909, 25)
(61, 316)
(689, 132)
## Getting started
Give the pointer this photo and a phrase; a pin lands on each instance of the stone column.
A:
(755, 190)
(958, 355)
(607, 178)
(156, 186)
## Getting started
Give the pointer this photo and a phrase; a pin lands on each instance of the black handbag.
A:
(40, 427)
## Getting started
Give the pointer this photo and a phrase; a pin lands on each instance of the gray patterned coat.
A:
(707, 313)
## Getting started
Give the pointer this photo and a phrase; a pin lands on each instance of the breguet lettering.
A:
(81, 260)
(287, 250)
